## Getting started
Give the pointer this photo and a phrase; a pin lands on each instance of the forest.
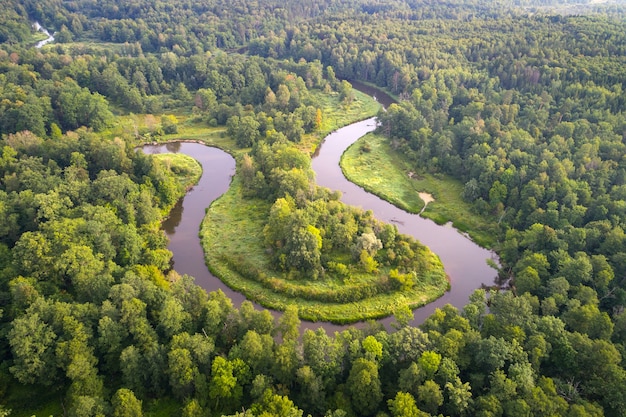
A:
(522, 103)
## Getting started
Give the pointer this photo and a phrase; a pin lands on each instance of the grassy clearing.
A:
(337, 114)
(186, 169)
(190, 128)
(39, 401)
(87, 46)
(37, 36)
(232, 238)
(372, 164)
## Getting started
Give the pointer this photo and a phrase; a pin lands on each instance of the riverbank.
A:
(464, 262)
(372, 164)
(232, 238)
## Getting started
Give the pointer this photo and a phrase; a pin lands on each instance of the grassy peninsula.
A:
(374, 165)
(232, 238)
(337, 281)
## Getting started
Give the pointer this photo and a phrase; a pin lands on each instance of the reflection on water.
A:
(173, 147)
(383, 98)
(464, 261)
(171, 223)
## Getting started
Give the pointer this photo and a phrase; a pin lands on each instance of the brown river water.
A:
(465, 262)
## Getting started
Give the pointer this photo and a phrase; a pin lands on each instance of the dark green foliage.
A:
(525, 107)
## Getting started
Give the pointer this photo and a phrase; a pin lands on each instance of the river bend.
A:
(464, 261)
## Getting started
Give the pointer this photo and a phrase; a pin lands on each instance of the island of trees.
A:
(519, 107)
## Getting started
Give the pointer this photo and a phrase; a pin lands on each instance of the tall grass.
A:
(232, 238)
(374, 165)
(186, 169)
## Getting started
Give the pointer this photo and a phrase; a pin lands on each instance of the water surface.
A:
(464, 261)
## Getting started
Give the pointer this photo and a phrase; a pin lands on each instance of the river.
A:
(464, 261)
(40, 28)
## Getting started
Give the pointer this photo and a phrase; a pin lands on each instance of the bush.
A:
(169, 124)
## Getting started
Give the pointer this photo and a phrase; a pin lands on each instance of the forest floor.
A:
(372, 164)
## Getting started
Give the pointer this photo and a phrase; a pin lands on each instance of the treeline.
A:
(528, 111)
(187, 27)
(192, 27)
(89, 316)
(524, 52)
(50, 92)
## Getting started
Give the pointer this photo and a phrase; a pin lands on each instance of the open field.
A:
(371, 163)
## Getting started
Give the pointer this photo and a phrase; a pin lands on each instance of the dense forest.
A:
(523, 102)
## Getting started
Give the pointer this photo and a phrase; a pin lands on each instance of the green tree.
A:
(589, 320)
(312, 395)
(224, 388)
(527, 280)
(169, 123)
(458, 397)
(345, 92)
(77, 107)
(429, 363)
(245, 130)
(256, 350)
(125, 404)
(403, 405)
(283, 96)
(32, 345)
(272, 404)
(289, 324)
(364, 387)
(182, 372)
(173, 318)
(193, 409)
(373, 348)
(134, 370)
(205, 99)
(323, 355)
(430, 397)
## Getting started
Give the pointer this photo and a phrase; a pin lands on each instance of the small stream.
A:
(40, 28)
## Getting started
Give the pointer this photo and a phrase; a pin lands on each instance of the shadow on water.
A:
(383, 98)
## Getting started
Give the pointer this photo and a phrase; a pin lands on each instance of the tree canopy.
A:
(523, 103)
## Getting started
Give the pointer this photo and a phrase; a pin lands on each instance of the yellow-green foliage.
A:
(233, 241)
(374, 165)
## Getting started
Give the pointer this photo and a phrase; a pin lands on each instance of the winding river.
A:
(40, 28)
(464, 261)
